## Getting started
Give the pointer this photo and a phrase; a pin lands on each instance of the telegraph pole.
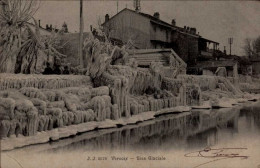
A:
(81, 35)
(230, 41)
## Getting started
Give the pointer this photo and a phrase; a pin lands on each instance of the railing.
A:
(178, 63)
(165, 56)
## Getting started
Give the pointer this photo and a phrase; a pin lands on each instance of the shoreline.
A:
(11, 143)
(56, 134)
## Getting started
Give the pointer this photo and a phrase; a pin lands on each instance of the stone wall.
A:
(139, 90)
(26, 110)
(32, 103)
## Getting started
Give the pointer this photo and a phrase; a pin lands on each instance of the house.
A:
(43, 31)
(255, 60)
(212, 67)
(150, 32)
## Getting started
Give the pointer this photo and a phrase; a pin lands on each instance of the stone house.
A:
(150, 32)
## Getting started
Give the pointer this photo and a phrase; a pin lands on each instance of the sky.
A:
(215, 20)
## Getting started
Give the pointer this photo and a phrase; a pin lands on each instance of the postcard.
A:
(129, 83)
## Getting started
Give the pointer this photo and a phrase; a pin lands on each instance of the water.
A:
(168, 138)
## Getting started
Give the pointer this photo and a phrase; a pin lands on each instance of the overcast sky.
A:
(215, 20)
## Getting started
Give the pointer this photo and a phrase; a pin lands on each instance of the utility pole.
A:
(230, 41)
(81, 35)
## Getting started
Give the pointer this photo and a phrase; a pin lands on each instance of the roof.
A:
(208, 40)
(215, 63)
(156, 21)
(41, 28)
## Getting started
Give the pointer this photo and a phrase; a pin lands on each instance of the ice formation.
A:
(112, 88)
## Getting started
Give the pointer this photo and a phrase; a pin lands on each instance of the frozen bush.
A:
(89, 115)
(100, 91)
(40, 105)
(51, 96)
(33, 93)
(7, 106)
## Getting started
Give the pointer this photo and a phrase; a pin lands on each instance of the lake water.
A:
(228, 137)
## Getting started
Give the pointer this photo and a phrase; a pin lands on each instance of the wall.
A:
(256, 68)
(130, 25)
(181, 45)
(207, 72)
(160, 33)
(185, 46)
(193, 50)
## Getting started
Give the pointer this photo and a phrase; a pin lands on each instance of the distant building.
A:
(149, 32)
(42, 30)
(65, 27)
(255, 64)
(49, 28)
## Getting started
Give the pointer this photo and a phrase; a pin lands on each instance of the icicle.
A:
(115, 115)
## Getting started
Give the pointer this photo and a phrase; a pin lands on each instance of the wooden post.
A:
(81, 35)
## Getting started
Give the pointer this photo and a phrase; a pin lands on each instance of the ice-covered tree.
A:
(252, 47)
(14, 14)
(22, 48)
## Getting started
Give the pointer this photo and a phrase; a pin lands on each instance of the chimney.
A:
(39, 23)
(193, 30)
(47, 26)
(106, 18)
(173, 22)
(156, 15)
(51, 27)
(91, 28)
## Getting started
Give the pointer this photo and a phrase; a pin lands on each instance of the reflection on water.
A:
(197, 129)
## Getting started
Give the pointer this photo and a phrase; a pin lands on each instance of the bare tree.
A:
(256, 45)
(252, 47)
(248, 47)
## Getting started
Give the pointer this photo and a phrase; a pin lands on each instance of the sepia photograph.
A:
(129, 84)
